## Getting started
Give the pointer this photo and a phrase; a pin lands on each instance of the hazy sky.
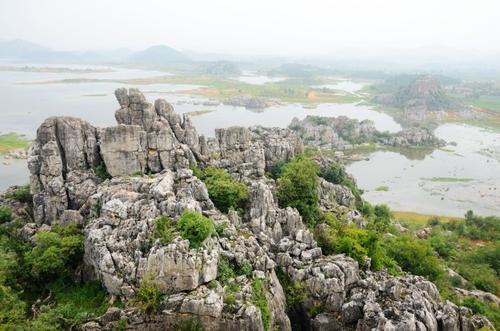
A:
(280, 27)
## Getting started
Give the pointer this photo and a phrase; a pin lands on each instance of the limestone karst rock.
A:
(119, 215)
(342, 133)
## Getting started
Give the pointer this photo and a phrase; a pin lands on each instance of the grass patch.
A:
(12, 141)
(448, 179)
(489, 102)
(414, 220)
(382, 189)
(95, 95)
(199, 112)
(290, 90)
(260, 301)
(164, 230)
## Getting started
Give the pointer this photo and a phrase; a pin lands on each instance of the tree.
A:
(298, 188)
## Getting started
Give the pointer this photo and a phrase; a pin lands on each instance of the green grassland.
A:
(290, 90)
(12, 141)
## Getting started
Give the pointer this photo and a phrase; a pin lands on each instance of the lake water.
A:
(24, 107)
(423, 185)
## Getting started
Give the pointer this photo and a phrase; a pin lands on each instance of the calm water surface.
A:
(24, 107)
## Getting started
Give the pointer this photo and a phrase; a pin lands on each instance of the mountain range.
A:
(21, 50)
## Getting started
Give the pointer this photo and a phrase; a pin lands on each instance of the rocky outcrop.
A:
(478, 294)
(343, 133)
(248, 152)
(120, 216)
(61, 162)
(423, 98)
(250, 102)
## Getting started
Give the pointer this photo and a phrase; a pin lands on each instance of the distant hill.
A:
(417, 96)
(159, 54)
(22, 50)
(25, 50)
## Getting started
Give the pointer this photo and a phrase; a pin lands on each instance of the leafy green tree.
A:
(225, 192)
(334, 236)
(55, 253)
(5, 214)
(12, 308)
(335, 173)
(298, 188)
(195, 227)
(414, 256)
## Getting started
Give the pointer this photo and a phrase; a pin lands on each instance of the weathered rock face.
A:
(120, 216)
(60, 162)
(248, 152)
(342, 133)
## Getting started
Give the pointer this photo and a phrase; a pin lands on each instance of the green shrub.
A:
(22, 194)
(295, 292)
(9, 266)
(5, 214)
(227, 270)
(260, 301)
(246, 269)
(334, 236)
(191, 324)
(225, 192)
(101, 172)
(55, 253)
(219, 229)
(335, 173)
(414, 256)
(483, 228)
(298, 188)
(275, 170)
(479, 307)
(443, 245)
(78, 302)
(12, 308)
(47, 320)
(481, 275)
(195, 227)
(121, 325)
(148, 296)
(164, 230)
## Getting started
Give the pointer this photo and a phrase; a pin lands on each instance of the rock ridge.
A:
(149, 156)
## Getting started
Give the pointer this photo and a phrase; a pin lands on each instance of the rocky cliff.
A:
(115, 182)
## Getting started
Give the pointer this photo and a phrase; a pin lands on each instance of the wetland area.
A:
(443, 181)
